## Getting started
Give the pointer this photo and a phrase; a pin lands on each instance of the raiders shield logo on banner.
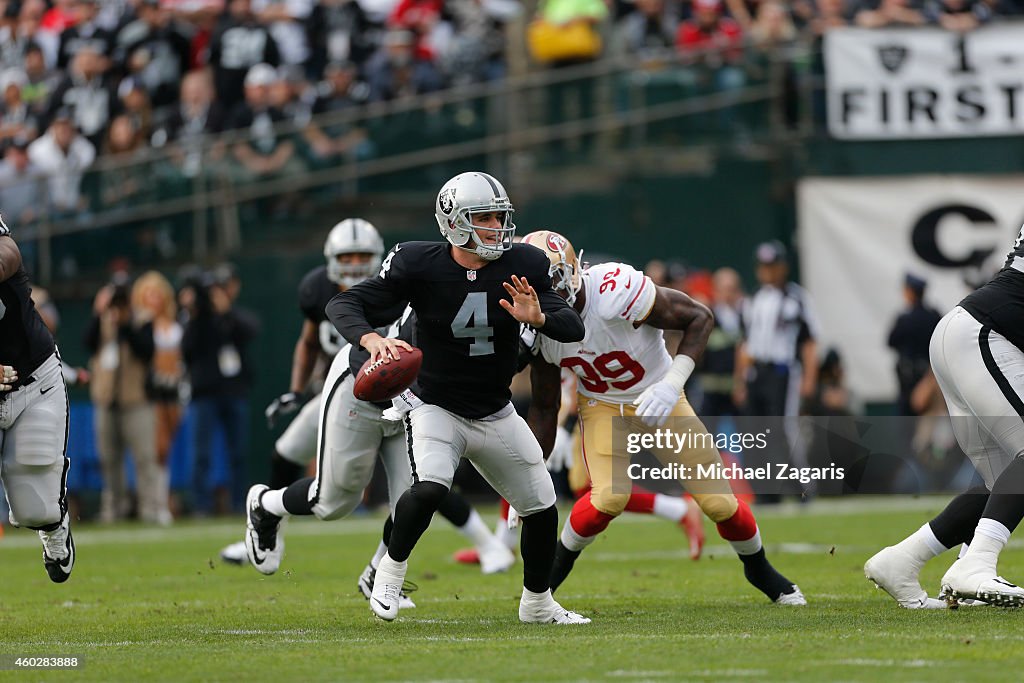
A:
(892, 57)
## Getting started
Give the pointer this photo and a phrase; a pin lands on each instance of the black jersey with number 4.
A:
(1000, 303)
(470, 343)
(24, 340)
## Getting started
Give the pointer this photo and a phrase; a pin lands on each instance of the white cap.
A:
(260, 74)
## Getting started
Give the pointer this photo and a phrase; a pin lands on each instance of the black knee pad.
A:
(428, 493)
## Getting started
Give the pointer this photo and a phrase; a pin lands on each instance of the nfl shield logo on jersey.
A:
(471, 275)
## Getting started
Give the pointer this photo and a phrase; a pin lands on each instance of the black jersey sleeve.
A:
(359, 309)
(562, 322)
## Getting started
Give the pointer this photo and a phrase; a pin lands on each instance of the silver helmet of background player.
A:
(465, 195)
(353, 236)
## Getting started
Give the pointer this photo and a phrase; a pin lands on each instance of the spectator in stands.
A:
(20, 32)
(155, 53)
(16, 118)
(395, 71)
(133, 102)
(286, 20)
(772, 27)
(85, 32)
(265, 152)
(719, 360)
(880, 13)
(910, 337)
(87, 94)
(334, 140)
(40, 82)
(341, 31)
(830, 14)
(476, 50)
(57, 16)
(153, 297)
(21, 191)
(647, 31)
(121, 344)
(215, 348)
(422, 18)
(129, 181)
(714, 40)
(62, 155)
(239, 43)
(197, 116)
(960, 16)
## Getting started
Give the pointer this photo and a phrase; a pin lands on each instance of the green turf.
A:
(150, 604)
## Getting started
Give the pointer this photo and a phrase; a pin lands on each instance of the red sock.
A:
(641, 501)
(587, 520)
(503, 509)
(741, 526)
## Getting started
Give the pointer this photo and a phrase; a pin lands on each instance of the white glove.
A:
(8, 376)
(513, 517)
(401, 405)
(561, 453)
(656, 403)
(284, 405)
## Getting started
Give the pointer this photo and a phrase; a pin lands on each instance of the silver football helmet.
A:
(465, 195)
(353, 236)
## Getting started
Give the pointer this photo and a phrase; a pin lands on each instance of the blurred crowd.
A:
(83, 79)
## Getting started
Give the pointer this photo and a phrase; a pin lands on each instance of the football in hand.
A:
(382, 381)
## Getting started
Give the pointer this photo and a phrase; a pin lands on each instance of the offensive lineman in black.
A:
(977, 355)
(468, 330)
(33, 417)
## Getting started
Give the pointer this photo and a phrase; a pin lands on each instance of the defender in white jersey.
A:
(625, 371)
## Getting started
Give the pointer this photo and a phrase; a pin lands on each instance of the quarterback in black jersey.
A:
(33, 417)
(470, 294)
(977, 356)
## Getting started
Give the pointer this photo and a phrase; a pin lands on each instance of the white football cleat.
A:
(969, 579)
(365, 585)
(545, 610)
(234, 553)
(386, 594)
(495, 557)
(264, 545)
(59, 551)
(894, 571)
(794, 598)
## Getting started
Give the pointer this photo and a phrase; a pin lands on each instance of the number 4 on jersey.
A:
(471, 322)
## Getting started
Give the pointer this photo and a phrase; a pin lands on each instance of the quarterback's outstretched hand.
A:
(656, 403)
(525, 306)
(8, 376)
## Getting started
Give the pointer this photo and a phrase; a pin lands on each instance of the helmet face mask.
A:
(353, 236)
(565, 269)
(469, 194)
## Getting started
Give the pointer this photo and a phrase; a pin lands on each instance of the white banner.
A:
(925, 83)
(858, 238)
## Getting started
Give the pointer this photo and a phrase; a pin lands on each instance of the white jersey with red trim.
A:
(616, 361)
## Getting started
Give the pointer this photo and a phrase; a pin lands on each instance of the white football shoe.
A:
(543, 609)
(264, 545)
(795, 598)
(234, 553)
(365, 585)
(969, 579)
(495, 557)
(896, 572)
(386, 595)
(59, 551)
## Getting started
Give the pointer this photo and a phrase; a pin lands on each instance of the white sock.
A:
(989, 539)
(922, 545)
(992, 529)
(379, 555)
(389, 569)
(749, 546)
(273, 502)
(530, 596)
(672, 508)
(572, 540)
(476, 531)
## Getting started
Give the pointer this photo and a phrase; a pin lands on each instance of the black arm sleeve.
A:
(358, 310)
(562, 323)
(140, 340)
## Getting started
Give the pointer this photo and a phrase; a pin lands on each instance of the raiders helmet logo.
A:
(892, 57)
(446, 201)
(556, 243)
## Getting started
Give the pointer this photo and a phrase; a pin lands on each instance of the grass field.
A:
(153, 604)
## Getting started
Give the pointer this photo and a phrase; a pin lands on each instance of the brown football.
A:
(382, 381)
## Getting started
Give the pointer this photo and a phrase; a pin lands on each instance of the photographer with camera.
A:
(120, 341)
(215, 348)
